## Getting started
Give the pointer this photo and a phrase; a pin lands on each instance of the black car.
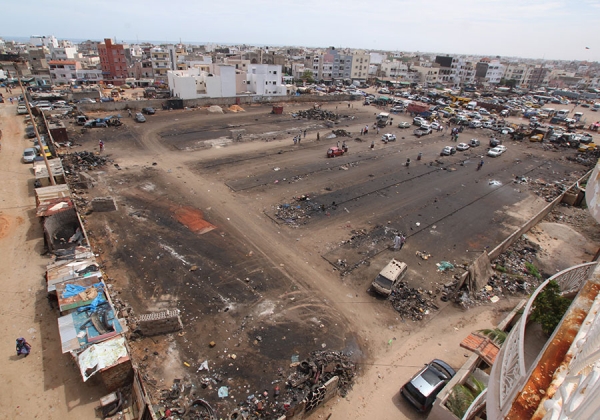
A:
(422, 389)
(149, 111)
(495, 142)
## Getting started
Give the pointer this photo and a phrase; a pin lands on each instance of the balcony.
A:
(516, 379)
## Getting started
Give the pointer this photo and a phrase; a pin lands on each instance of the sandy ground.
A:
(49, 386)
(46, 384)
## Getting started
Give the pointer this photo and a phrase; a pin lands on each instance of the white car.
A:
(475, 124)
(462, 147)
(388, 137)
(434, 126)
(494, 152)
(403, 124)
(418, 121)
(501, 148)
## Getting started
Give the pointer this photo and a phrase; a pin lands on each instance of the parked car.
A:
(95, 123)
(434, 126)
(403, 124)
(495, 142)
(387, 278)
(474, 143)
(501, 148)
(139, 117)
(494, 152)
(397, 109)
(448, 150)
(462, 147)
(388, 137)
(536, 138)
(87, 101)
(334, 151)
(422, 389)
(418, 121)
(475, 124)
(29, 131)
(29, 155)
(149, 110)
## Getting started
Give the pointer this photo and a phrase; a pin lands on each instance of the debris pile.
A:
(83, 161)
(341, 133)
(316, 114)
(412, 303)
(298, 212)
(548, 190)
(236, 108)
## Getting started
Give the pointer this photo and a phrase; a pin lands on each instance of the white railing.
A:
(509, 372)
(476, 405)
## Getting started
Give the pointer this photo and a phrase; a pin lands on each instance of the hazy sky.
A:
(560, 29)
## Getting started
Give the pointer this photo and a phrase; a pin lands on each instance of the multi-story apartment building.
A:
(113, 62)
(446, 71)
(489, 71)
(161, 64)
(360, 66)
(341, 64)
(519, 72)
(427, 73)
(265, 79)
(63, 71)
(395, 69)
(464, 71)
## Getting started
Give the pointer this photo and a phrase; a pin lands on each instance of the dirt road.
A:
(46, 384)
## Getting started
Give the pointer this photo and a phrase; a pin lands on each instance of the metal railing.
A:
(509, 372)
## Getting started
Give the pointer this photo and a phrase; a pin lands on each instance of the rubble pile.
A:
(412, 303)
(341, 133)
(588, 159)
(316, 114)
(83, 161)
(548, 190)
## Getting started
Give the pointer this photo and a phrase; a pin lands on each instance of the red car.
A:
(334, 151)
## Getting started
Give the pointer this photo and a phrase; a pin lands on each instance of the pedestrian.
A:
(402, 241)
(480, 165)
(23, 347)
(362, 131)
(130, 114)
(295, 139)
(344, 145)
(397, 242)
(372, 144)
(407, 162)
(318, 136)
(304, 133)
(338, 144)
(11, 100)
(101, 145)
(377, 130)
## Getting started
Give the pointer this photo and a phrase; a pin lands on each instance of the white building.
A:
(395, 69)
(360, 65)
(265, 79)
(197, 83)
(495, 72)
(43, 41)
(91, 75)
(62, 72)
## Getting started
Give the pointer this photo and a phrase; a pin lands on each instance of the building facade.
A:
(113, 62)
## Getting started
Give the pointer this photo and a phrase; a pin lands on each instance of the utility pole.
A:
(37, 133)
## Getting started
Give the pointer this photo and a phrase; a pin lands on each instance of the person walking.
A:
(318, 136)
(407, 162)
(23, 347)
(402, 241)
(338, 144)
(304, 133)
(362, 131)
(397, 242)
(480, 165)
(101, 145)
(130, 114)
(372, 144)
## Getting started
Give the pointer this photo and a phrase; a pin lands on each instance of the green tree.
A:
(549, 307)
(308, 76)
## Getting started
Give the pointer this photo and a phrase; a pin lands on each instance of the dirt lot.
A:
(268, 248)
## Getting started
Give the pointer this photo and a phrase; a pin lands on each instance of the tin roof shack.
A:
(58, 132)
(42, 179)
(44, 194)
(109, 358)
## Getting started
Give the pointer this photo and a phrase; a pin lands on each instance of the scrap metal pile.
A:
(304, 389)
(83, 161)
(548, 190)
(341, 133)
(316, 114)
(412, 303)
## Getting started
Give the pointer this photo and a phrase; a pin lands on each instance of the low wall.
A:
(241, 100)
(159, 322)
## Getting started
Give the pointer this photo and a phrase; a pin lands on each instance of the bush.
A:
(549, 307)
(532, 269)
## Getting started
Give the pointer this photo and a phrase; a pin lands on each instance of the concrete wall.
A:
(157, 103)
(118, 375)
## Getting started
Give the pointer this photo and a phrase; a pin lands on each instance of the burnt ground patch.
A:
(256, 314)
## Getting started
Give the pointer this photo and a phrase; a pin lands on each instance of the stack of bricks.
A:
(156, 323)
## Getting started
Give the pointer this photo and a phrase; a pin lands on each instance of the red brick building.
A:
(113, 62)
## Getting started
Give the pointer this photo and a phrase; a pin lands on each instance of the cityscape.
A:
(255, 231)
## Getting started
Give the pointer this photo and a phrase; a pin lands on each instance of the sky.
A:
(554, 30)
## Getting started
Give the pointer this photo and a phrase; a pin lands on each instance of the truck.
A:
(382, 119)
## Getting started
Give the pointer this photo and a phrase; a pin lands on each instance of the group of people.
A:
(298, 138)
(454, 133)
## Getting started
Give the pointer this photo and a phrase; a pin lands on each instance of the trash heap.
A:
(548, 190)
(83, 161)
(298, 212)
(412, 303)
(316, 114)
(305, 383)
(341, 133)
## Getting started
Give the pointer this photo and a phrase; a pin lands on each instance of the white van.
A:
(389, 277)
(596, 107)
(21, 109)
(563, 113)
